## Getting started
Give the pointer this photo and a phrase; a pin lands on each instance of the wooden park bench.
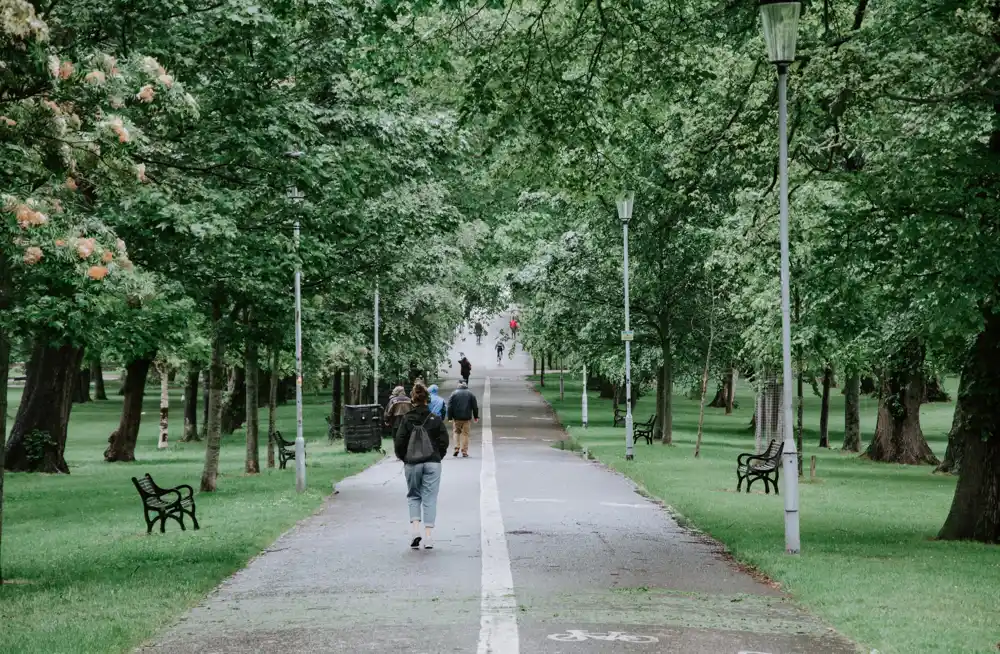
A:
(165, 503)
(286, 449)
(750, 467)
(645, 429)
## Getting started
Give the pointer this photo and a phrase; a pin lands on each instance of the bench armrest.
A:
(190, 491)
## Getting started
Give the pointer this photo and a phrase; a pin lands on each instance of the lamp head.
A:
(625, 206)
(780, 19)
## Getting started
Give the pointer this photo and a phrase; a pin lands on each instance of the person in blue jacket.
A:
(437, 404)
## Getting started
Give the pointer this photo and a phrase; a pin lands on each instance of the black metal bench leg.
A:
(194, 520)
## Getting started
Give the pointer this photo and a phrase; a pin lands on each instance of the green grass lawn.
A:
(93, 581)
(869, 564)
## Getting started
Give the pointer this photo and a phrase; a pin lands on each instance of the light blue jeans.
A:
(422, 483)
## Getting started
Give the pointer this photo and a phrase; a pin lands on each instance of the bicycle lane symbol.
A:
(580, 635)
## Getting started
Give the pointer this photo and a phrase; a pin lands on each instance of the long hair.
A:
(418, 396)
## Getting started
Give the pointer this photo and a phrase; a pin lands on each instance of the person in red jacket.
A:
(513, 327)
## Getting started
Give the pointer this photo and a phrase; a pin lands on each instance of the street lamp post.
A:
(300, 443)
(583, 404)
(375, 398)
(780, 20)
(625, 215)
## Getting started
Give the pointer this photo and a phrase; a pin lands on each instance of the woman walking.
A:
(420, 442)
(397, 408)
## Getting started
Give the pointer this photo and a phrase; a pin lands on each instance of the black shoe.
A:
(456, 453)
(415, 543)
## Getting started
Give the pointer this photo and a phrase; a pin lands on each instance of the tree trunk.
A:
(4, 372)
(704, 391)
(38, 438)
(253, 413)
(97, 374)
(216, 379)
(730, 390)
(952, 462)
(164, 405)
(934, 391)
(347, 386)
(658, 426)
(898, 437)
(81, 390)
(272, 407)
(234, 406)
(534, 366)
(975, 510)
(562, 382)
(541, 380)
(206, 383)
(852, 412)
(800, 407)
(191, 405)
(335, 402)
(121, 443)
(824, 411)
(666, 418)
(721, 398)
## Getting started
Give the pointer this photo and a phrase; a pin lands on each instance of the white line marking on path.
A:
(503, 416)
(537, 499)
(628, 506)
(513, 438)
(498, 624)
(541, 418)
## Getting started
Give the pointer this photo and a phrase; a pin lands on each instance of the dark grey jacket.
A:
(462, 405)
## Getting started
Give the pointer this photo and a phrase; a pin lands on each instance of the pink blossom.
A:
(166, 80)
(85, 247)
(32, 255)
(107, 257)
(51, 105)
(140, 171)
(9, 122)
(96, 77)
(66, 70)
(97, 273)
(145, 94)
(120, 245)
(28, 217)
(119, 128)
(71, 184)
(53, 65)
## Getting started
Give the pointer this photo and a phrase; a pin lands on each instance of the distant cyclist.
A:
(500, 349)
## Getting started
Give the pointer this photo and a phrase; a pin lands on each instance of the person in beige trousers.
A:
(462, 409)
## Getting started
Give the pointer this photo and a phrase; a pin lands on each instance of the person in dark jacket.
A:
(464, 367)
(422, 479)
(462, 408)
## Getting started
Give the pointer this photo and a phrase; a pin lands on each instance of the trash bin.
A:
(362, 427)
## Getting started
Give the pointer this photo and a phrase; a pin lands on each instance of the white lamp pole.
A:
(375, 398)
(583, 405)
(300, 442)
(625, 215)
(780, 20)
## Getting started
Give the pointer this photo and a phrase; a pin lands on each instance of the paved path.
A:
(537, 551)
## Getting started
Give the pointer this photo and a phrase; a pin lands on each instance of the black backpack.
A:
(420, 449)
